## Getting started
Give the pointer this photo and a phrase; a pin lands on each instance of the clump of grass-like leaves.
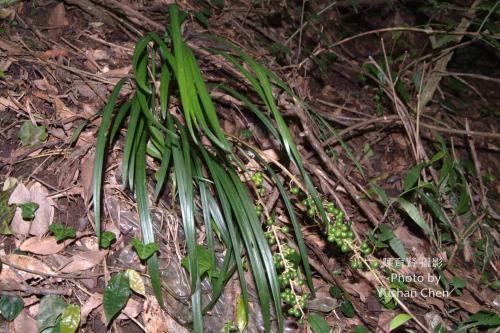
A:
(205, 173)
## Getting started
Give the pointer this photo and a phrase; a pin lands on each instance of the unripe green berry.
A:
(375, 264)
(285, 229)
(330, 208)
(355, 264)
(295, 190)
(311, 212)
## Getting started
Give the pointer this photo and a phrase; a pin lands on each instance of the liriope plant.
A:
(208, 173)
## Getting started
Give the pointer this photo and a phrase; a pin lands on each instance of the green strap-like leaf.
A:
(99, 154)
(143, 209)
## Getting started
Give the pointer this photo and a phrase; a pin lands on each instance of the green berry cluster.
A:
(339, 232)
(258, 180)
(259, 209)
(310, 207)
(291, 281)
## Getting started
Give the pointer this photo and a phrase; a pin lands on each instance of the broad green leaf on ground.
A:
(6, 213)
(135, 282)
(347, 309)
(51, 307)
(485, 318)
(144, 251)
(240, 315)
(360, 329)
(31, 134)
(397, 247)
(61, 232)
(11, 306)
(28, 210)
(412, 176)
(317, 323)
(415, 215)
(205, 263)
(106, 238)
(399, 320)
(70, 319)
(116, 295)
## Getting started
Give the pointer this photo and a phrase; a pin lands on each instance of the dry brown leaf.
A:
(362, 288)
(10, 47)
(5, 64)
(7, 103)
(57, 17)
(98, 54)
(62, 111)
(54, 53)
(86, 169)
(153, 318)
(132, 309)
(93, 302)
(81, 261)
(23, 323)
(467, 302)
(384, 320)
(118, 72)
(407, 238)
(43, 216)
(44, 245)
(10, 279)
(44, 85)
(32, 265)
(28, 301)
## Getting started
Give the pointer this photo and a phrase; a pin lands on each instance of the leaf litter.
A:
(81, 255)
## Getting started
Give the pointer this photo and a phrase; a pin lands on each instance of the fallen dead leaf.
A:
(153, 317)
(407, 238)
(43, 216)
(362, 288)
(10, 279)
(44, 85)
(31, 264)
(23, 323)
(132, 309)
(81, 261)
(98, 54)
(62, 111)
(54, 53)
(44, 245)
(7, 103)
(10, 47)
(57, 17)
(467, 302)
(92, 303)
(118, 72)
(86, 169)
(383, 321)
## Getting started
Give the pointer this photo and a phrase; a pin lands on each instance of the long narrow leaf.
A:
(145, 218)
(99, 154)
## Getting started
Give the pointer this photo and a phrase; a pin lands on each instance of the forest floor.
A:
(401, 134)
